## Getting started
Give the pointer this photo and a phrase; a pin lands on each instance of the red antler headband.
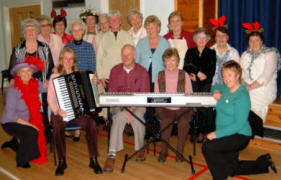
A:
(250, 27)
(218, 22)
(62, 13)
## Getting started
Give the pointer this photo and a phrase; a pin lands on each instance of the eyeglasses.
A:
(45, 25)
(201, 38)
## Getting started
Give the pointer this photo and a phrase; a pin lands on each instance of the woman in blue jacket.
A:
(151, 48)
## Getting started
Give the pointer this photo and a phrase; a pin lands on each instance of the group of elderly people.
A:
(138, 60)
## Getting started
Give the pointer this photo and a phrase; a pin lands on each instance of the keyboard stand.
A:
(155, 138)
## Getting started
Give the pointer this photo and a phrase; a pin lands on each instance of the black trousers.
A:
(28, 147)
(222, 154)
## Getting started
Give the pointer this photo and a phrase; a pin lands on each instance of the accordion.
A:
(75, 94)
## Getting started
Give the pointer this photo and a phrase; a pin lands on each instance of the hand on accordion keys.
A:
(61, 113)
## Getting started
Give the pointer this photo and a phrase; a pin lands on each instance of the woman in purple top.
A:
(21, 117)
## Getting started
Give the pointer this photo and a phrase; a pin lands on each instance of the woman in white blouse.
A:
(260, 64)
(224, 52)
(137, 30)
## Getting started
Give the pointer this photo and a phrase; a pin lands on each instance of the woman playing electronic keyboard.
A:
(173, 80)
(66, 65)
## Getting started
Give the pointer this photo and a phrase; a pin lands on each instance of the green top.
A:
(232, 111)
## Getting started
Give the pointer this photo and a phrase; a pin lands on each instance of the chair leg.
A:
(2, 84)
(53, 147)
(55, 158)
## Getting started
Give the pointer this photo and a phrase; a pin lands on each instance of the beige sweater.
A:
(109, 51)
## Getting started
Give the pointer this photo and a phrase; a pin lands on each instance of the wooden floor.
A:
(78, 163)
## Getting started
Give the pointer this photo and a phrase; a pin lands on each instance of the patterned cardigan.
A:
(18, 55)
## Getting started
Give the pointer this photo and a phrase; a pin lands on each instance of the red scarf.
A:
(30, 95)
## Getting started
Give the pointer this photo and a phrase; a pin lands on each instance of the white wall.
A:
(2, 51)
(160, 8)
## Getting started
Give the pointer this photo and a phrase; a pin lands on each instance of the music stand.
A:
(157, 137)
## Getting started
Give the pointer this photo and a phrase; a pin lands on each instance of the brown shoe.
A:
(179, 159)
(109, 165)
(140, 156)
(162, 157)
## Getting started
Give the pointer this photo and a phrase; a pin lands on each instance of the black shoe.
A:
(272, 166)
(61, 167)
(76, 139)
(25, 165)
(264, 157)
(192, 138)
(95, 165)
(13, 144)
(68, 136)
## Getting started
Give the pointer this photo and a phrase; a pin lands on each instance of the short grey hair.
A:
(201, 30)
(114, 13)
(30, 22)
(77, 21)
(132, 12)
(43, 18)
(128, 45)
(103, 16)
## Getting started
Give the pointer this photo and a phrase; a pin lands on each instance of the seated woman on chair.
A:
(233, 131)
(173, 80)
(21, 117)
(66, 65)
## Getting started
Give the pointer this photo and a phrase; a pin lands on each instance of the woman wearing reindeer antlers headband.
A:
(223, 50)
(259, 64)
(60, 24)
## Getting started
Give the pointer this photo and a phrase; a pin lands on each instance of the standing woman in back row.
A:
(259, 64)
(223, 50)
(177, 37)
(151, 48)
(60, 24)
(200, 63)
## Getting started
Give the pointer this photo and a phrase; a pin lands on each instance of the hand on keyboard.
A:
(217, 95)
